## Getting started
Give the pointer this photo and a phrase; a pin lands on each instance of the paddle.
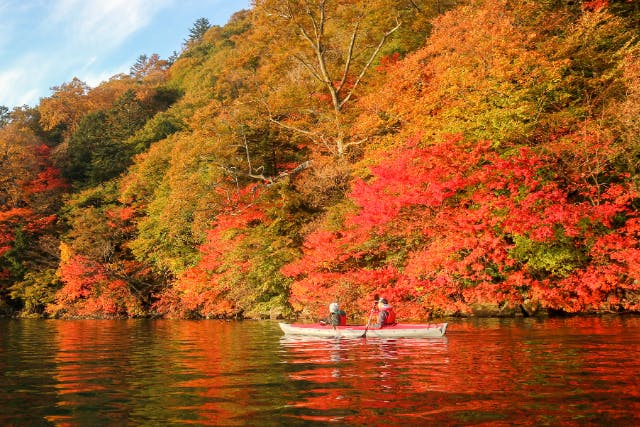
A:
(376, 298)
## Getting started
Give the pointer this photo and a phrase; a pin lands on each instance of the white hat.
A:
(333, 307)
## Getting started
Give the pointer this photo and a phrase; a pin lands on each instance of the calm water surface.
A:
(556, 372)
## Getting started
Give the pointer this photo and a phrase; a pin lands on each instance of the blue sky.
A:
(44, 43)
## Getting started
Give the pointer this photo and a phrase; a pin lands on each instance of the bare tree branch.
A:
(310, 67)
(309, 19)
(371, 59)
(349, 56)
(358, 142)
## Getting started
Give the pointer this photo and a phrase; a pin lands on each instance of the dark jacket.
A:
(336, 319)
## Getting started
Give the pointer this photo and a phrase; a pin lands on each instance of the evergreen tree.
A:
(198, 30)
(139, 67)
(98, 150)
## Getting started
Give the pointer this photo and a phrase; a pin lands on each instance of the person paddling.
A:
(386, 314)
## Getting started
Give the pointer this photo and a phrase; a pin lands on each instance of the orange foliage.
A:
(89, 290)
(595, 5)
(534, 201)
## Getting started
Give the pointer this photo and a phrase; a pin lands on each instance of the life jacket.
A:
(390, 318)
(338, 319)
(342, 319)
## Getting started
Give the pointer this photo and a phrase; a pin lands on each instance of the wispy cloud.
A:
(107, 23)
(55, 40)
(16, 82)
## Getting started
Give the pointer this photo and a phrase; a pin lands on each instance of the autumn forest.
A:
(466, 157)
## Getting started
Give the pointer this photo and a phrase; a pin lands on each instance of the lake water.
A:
(486, 372)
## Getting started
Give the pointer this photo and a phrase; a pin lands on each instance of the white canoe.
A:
(400, 330)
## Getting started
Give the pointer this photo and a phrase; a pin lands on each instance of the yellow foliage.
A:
(65, 252)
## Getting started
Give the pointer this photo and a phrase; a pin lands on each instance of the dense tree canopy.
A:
(457, 157)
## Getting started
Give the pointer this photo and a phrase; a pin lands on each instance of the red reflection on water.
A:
(179, 372)
(208, 345)
(580, 371)
(81, 380)
(357, 381)
(72, 374)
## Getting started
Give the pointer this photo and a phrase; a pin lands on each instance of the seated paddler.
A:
(386, 315)
(336, 317)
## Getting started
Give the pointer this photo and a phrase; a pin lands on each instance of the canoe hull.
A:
(401, 330)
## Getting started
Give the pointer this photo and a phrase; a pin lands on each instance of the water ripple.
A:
(485, 372)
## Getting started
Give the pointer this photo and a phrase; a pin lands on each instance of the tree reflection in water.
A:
(357, 381)
(492, 372)
(575, 371)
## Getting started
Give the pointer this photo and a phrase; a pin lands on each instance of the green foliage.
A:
(89, 232)
(15, 257)
(263, 287)
(98, 148)
(543, 260)
(179, 201)
(88, 135)
(36, 290)
(163, 97)
(166, 244)
(215, 67)
(139, 66)
(157, 128)
(198, 30)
